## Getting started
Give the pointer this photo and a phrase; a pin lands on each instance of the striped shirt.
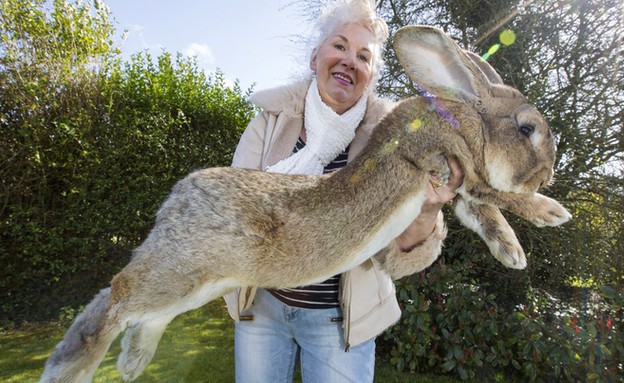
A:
(320, 295)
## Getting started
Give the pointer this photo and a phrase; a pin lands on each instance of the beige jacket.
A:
(368, 298)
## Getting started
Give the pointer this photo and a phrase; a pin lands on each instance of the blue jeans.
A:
(267, 347)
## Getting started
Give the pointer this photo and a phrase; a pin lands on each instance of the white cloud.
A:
(133, 40)
(136, 27)
(138, 30)
(204, 54)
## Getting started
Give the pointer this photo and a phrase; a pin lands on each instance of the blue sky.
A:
(249, 40)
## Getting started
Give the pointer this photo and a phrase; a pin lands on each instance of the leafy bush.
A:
(451, 325)
(90, 148)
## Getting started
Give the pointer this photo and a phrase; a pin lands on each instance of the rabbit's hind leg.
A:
(83, 347)
(139, 345)
(142, 336)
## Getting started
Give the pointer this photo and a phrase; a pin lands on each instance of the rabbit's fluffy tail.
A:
(82, 349)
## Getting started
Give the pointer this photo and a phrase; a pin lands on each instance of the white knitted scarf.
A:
(327, 135)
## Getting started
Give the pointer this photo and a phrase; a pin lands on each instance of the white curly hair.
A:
(361, 12)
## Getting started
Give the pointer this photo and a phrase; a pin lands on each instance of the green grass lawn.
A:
(197, 347)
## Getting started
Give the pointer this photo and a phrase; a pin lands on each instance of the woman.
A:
(311, 127)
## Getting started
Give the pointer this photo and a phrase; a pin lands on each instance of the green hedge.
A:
(452, 324)
(90, 147)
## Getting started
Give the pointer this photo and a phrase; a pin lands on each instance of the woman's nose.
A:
(349, 60)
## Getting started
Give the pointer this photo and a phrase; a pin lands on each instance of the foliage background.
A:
(91, 145)
(561, 318)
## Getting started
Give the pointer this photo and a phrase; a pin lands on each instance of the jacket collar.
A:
(284, 99)
(290, 100)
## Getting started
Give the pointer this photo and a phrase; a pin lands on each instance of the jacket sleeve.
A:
(398, 263)
(249, 151)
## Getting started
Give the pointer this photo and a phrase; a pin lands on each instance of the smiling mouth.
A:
(342, 78)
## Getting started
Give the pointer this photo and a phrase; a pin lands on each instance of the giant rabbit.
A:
(225, 228)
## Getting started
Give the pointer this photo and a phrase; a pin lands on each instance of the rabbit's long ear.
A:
(491, 73)
(435, 62)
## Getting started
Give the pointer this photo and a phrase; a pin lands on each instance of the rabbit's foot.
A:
(507, 249)
(491, 225)
(541, 211)
(138, 347)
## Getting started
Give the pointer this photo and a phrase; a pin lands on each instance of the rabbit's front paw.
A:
(506, 248)
(491, 225)
(542, 211)
(555, 214)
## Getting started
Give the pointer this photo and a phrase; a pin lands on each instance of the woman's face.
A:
(343, 66)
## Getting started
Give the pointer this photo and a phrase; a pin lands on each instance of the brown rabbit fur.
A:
(225, 228)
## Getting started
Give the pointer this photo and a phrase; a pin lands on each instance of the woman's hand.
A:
(436, 195)
(437, 192)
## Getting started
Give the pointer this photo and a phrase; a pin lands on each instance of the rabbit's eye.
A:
(526, 130)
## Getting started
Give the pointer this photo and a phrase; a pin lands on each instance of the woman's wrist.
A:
(419, 230)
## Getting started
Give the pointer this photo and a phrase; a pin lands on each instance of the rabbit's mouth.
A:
(545, 175)
(533, 181)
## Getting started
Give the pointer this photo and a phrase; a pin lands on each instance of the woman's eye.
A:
(364, 58)
(340, 47)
